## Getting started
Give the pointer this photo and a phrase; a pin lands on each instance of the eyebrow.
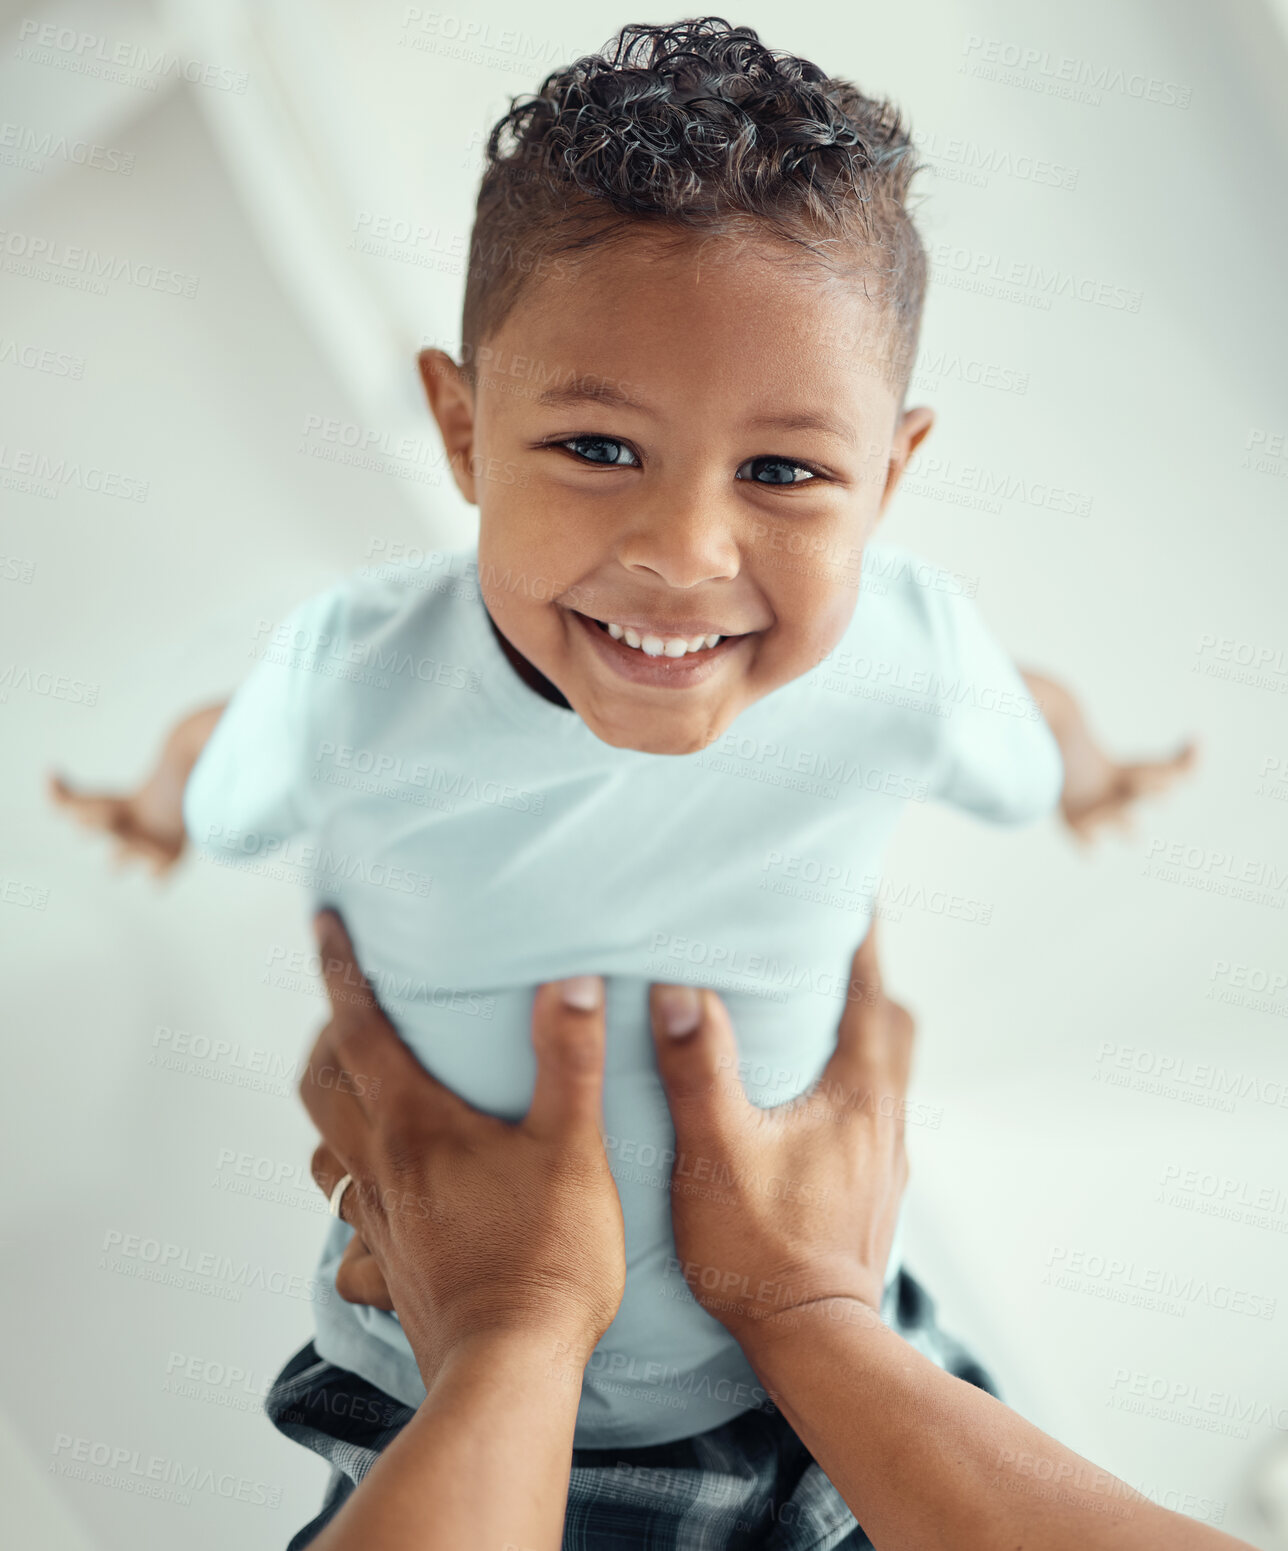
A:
(603, 392)
(805, 420)
(590, 390)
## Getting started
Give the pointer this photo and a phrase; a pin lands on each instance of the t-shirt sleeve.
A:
(998, 759)
(249, 791)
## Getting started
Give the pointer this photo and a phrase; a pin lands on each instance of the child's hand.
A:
(147, 824)
(1106, 791)
(142, 831)
(1099, 790)
(777, 1208)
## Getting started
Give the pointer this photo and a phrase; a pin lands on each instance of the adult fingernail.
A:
(679, 1009)
(585, 993)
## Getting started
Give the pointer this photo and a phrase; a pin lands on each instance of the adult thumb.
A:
(697, 1058)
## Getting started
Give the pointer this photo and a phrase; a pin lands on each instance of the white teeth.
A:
(662, 646)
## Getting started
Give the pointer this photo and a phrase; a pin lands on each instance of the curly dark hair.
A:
(699, 127)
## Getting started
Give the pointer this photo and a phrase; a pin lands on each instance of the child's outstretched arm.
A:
(1098, 790)
(147, 823)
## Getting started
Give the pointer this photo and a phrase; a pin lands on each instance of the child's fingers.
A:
(96, 811)
(87, 805)
(568, 1038)
(1151, 776)
(1081, 831)
(1187, 756)
(58, 789)
(697, 1058)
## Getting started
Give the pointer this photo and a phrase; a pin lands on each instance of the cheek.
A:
(812, 619)
(513, 582)
(514, 545)
(534, 536)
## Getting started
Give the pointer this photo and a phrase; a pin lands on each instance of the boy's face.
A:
(636, 449)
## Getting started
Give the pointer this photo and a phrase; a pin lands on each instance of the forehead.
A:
(691, 316)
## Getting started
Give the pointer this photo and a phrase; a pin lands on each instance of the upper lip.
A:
(680, 629)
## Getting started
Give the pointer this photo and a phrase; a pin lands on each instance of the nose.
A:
(684, 542)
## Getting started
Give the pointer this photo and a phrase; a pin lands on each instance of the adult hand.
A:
(792, 1260)
(805, 1195)
(478, 1228)
(525, 1244)
(358, 1277)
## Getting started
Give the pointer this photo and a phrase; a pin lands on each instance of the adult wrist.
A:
(530, 1352)
(766, 1340)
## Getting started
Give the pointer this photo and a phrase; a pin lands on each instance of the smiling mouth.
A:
(657, 642)
(664, 661)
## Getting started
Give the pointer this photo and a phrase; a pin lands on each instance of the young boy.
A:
(641, 729)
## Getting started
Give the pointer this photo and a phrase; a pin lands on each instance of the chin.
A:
(672, 744)
(677, 739)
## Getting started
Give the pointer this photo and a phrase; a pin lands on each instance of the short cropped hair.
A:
(699, 128)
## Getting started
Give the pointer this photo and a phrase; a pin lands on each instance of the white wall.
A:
(213, 401)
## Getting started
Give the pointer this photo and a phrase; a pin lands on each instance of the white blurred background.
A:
(281, 194)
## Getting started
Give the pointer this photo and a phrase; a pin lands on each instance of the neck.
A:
(531, 676)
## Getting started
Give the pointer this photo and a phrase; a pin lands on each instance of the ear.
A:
(913, 428)
(451, 402)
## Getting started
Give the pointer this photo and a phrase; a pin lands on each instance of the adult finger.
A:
(568, 1038)
(360, 1070)
(863, 1050)
(697, 1059)
(333, 1096)
(358, 1277)
(865, 968)
(336, 1097)
(901, 1034)
(347, 988)
(340, 1085)
(328, 1171)
(360, 1037)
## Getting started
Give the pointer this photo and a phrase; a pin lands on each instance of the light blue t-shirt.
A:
(479, 839)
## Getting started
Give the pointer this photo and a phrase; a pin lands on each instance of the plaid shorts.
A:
(748, 1485)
